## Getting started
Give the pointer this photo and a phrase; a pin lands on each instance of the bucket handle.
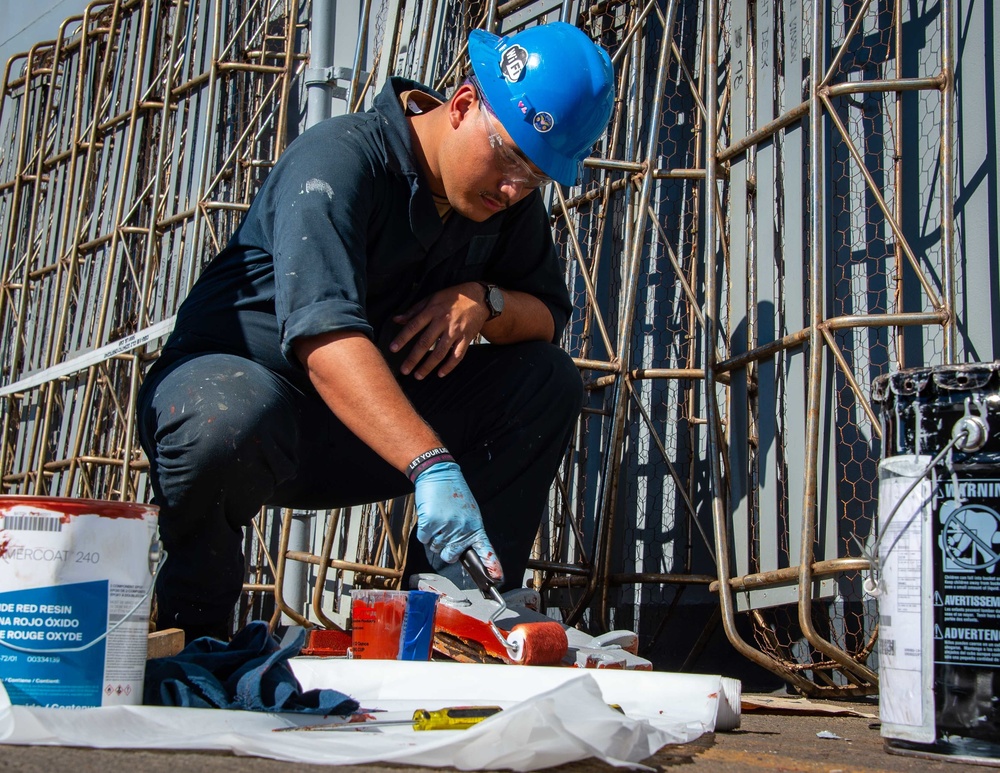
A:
(157, 554)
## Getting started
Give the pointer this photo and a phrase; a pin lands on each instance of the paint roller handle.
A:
(473, 564)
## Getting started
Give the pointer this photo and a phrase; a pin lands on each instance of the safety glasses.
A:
(511, 164)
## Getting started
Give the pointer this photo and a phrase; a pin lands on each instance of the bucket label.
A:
(44, 620)
(74, 575)
(967, 582)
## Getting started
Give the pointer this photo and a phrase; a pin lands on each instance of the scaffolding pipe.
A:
(814, 402)
(715, 446)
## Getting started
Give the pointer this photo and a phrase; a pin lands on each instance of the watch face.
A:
(494, 299)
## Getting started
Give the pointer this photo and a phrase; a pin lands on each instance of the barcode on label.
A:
(887, 646)
(18, 522)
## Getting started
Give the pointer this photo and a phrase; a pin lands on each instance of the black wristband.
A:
(425, 460)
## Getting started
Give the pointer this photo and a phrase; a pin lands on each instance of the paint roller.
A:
(530, 644)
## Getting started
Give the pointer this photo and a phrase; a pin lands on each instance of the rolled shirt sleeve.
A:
(321, 245)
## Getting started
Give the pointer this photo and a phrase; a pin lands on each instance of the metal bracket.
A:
(328, 76)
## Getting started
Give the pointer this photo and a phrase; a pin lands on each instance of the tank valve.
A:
(970, 433)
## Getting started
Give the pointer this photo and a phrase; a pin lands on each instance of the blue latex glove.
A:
(448, 518)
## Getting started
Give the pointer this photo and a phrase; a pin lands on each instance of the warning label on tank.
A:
(967, 580)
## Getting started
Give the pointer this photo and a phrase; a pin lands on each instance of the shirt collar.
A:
(424, 219)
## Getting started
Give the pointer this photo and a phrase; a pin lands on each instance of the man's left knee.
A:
(555, 375)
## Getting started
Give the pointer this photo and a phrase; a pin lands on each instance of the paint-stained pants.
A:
(224, 436)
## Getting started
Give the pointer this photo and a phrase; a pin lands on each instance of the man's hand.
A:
(441, 327)
(448, 518)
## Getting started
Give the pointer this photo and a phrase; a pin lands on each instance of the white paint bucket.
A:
(76, 577)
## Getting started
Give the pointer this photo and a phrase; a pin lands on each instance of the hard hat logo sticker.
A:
(543, 122)
(512, 63)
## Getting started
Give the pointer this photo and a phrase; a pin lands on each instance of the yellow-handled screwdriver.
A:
(455, 718)
(452, 718)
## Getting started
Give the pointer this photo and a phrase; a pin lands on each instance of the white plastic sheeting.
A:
(551, 716)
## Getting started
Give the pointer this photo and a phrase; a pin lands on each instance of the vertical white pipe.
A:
(319, 107)
(322, 28)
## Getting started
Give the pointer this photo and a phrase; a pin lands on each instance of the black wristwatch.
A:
(494, 299)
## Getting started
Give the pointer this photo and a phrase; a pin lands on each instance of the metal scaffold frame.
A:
(824, 378)
(749, 248)
(132, 143)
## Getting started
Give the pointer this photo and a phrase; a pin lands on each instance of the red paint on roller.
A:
(469, 629)
(542, 644)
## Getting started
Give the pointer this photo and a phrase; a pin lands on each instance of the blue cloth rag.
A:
(251, 672)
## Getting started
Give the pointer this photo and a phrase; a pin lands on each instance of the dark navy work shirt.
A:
(344, 234)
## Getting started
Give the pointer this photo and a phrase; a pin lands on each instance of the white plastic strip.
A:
(663, 698)
(906, 647)
(93, 357)
(551, 717)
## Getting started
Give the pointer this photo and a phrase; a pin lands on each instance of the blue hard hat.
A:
(551, 87)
